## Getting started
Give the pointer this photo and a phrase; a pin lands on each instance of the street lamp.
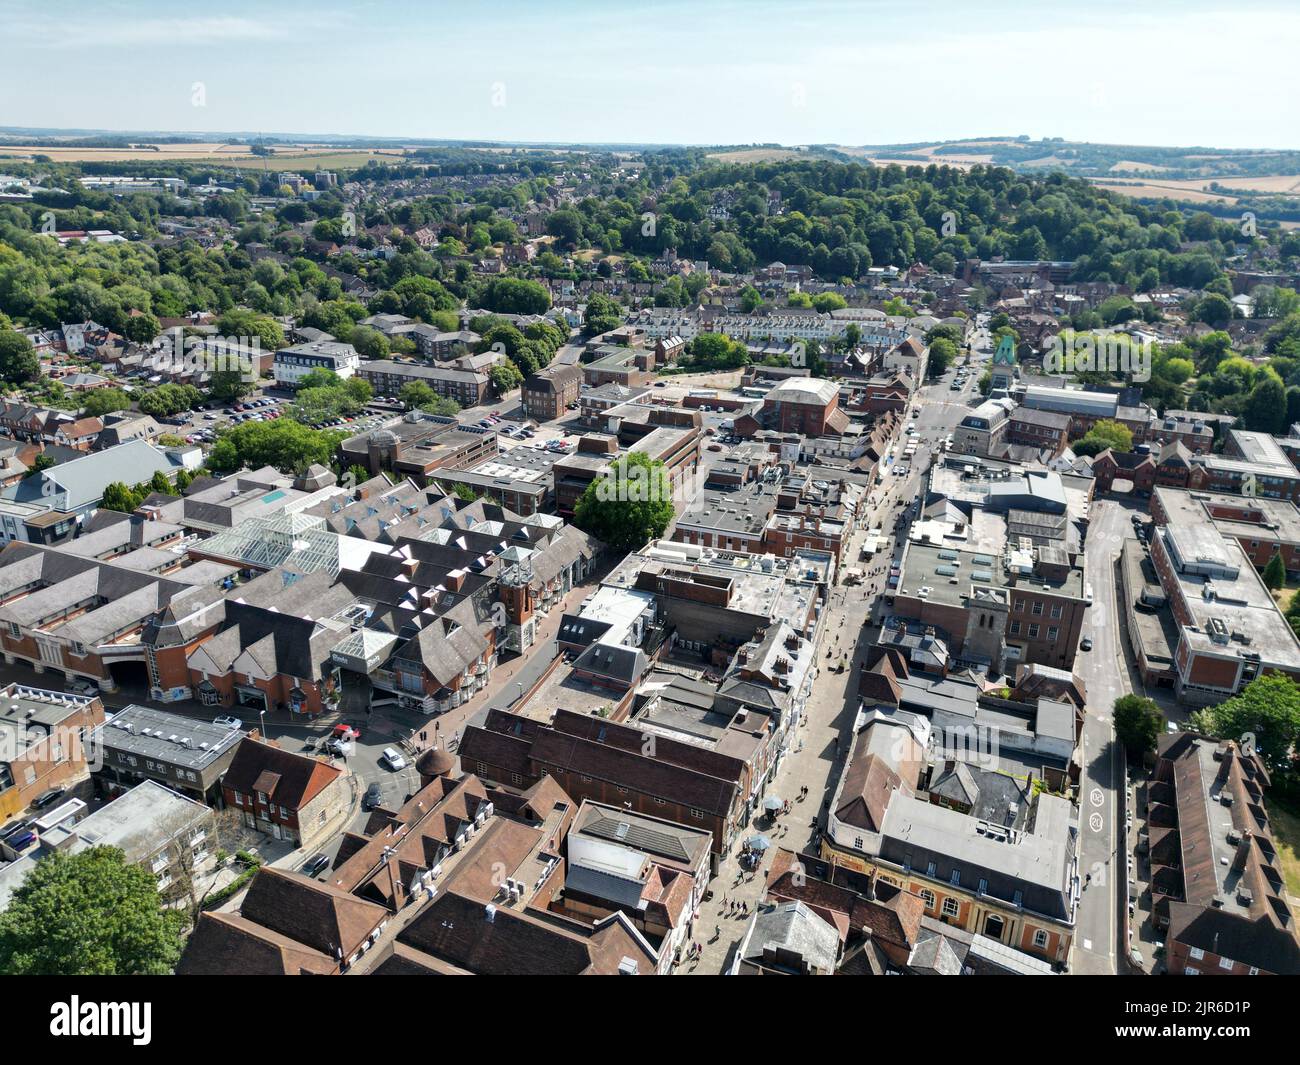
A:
(262, 717)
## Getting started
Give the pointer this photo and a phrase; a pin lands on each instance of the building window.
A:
(1037, 610)
(698, 815)
(1040, 939)
(1225, 963)
(1033, 632)
(1052, 633)
(950, 908)
(1015, 628)
(928, 898)
(1196, 952)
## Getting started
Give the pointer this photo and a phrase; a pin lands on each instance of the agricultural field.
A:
(286, 157)
(756, 155)
(1147, 190)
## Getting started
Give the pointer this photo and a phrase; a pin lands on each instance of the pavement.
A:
(817, 758)
(814, 761)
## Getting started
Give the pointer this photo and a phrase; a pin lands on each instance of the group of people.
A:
(734, 908)
(693, 954)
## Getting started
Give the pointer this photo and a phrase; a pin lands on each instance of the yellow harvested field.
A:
(938, 161)
(1279, 183)
(756, 155)
(1128, 166)
(1151, 191)
(286, 157)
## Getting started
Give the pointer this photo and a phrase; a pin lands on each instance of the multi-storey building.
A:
(294, 363)
(1229, 629)
(387, 376)
(46, 734)
(1217, 885)
(548, 393)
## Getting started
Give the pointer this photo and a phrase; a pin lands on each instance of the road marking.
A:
(1097, 798)
(1087, 944)
(1096, 822)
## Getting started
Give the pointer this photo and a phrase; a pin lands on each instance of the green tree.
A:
(89, 914)
(141, 328)
(286, 444)
(105, 401)
(370, 343)
(943, 353)
(242, 322)
(1105, 435)
(514, 295)
(169, 399)
(18, 359)
(1275, 573)
(601, 315)
(629, 506)
(1138, 723)
(505, 377)
(416, 394)
(1214, 309)
(120, 497)
(229, 385)
(1265, 409)
(1266, 712)
(41, 462)
(441, 405)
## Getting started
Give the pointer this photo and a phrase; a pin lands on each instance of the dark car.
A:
(13, 829)
(48, 798)
(373, 797)
(22, 840)
(316, 865)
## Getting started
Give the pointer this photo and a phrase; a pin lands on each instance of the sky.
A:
(1190, 72)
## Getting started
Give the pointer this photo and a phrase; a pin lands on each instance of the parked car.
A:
(13, 830)
(393, 759)
(48, 798)
(347, 732)
(373, 797)
(21, 840)
(1085, 644)
(228, 722)
(316, 865)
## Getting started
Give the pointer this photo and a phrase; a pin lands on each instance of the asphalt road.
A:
(1105, 672)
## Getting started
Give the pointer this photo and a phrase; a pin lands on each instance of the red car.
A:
(347, 732)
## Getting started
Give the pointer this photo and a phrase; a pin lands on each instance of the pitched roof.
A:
(298, 779)
(226, 943)
(319, 915)
(458, 930)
